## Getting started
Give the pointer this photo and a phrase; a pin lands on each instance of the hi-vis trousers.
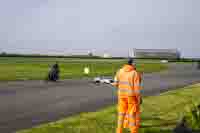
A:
(128, 114)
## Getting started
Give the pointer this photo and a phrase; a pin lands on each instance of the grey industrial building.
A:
(155, 53)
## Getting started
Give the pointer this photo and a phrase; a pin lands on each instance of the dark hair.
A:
(130, 61)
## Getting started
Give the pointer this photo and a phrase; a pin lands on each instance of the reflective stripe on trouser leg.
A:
(122, 109)
(120, 120)
(119, 130)
(126, 122)
(134, 129)
(132, 123)
(132, 120)
(129, 121)
(137, 119)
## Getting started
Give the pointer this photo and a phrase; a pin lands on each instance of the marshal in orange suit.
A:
(128, 81)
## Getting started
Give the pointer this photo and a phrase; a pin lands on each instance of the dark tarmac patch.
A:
(7, 92)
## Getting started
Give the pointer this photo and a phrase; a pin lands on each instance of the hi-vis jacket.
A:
(128, 80)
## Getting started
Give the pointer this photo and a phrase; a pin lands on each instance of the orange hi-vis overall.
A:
(128, 82)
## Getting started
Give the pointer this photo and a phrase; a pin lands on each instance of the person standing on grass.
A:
(128, 82)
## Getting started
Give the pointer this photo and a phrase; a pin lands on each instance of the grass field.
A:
(26, 68)
(159, 115)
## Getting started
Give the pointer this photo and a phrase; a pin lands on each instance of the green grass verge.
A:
(27, 68)
(192, 116)
(159, 115)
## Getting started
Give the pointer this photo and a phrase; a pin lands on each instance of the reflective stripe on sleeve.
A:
(124, 83)
(128, 91)
(129, 84)
(137, 91)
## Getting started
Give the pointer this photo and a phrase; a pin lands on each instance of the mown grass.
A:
(25, 68)
(192, 116)
(159, 115)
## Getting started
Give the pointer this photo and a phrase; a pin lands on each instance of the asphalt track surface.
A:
(24, 104)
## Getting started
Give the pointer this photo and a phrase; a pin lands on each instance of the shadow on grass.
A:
(158, 122)
(165, 126)
(156, 131)
(157, 125)
(195, 131)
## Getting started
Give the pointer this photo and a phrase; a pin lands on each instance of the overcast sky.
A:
(111, 26)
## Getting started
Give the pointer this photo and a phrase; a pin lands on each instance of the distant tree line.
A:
(4, 54)
(89, 56)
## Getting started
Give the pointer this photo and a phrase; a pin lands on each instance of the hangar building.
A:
(155, 53)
